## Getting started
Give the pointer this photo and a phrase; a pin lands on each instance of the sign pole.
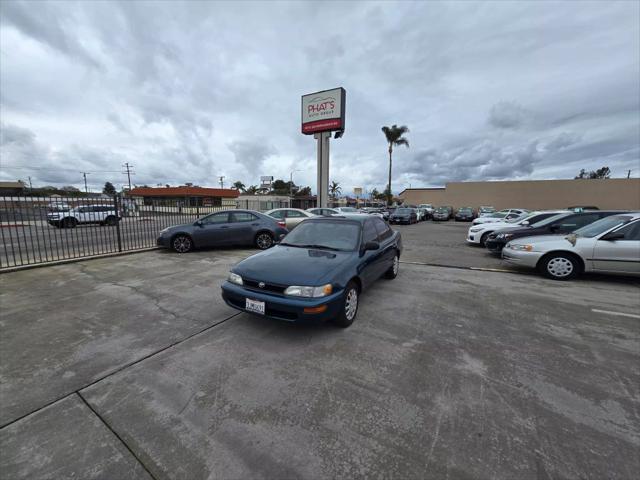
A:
(323, 139)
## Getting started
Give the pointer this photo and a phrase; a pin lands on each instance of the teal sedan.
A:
(318, 271)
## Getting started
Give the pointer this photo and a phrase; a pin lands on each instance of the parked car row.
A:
(561, 244)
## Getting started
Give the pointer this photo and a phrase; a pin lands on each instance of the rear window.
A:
(602, 225)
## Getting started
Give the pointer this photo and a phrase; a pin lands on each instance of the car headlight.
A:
(310, 292)
(521, 247)
(162, 232)
(504, 235)
(475, 229)
(234, 278)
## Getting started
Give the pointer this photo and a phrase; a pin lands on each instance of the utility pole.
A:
(84, 175)
(291, 182)
(31, 186)
(128, 168)
(628, 175)
(221, 181)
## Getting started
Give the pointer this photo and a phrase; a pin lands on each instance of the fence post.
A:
(115, 206)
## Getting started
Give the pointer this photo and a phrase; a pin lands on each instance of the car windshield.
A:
(348, 209)
(403, 210)
(498, 214)
(549, 220)
(441, 210)
(602, 225)
(465, 210)
(325, 235)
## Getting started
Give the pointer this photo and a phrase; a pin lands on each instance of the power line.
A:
(221, 181)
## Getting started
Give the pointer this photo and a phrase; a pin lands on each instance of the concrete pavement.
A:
(446, 372)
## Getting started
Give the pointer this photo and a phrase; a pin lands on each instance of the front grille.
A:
(268, 287)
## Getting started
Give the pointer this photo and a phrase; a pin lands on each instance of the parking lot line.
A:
(478, 269)
(619, 314)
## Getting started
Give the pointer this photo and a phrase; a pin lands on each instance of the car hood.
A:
(285, 265)
(184, 227)
(546, 242)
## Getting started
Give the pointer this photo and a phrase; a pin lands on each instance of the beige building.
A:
(614, 193)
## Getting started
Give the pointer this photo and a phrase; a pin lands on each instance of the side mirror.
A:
(611, 236)
(371, 246)
(198, 223)
(525, 223)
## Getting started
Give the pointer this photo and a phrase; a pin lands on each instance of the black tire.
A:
(182, 243)
(483, 238)
(347, 313)
(110, 221)
(559, 266)
(69, 222)
(263, 240)
(393, 269)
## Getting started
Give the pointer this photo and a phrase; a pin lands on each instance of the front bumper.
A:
(474, 237)
(289, 309)
(163, 241)
(494, 245)
(400, 220)
(441, 218)
(521, 257)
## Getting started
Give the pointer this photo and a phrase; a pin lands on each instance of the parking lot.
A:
(133, 367)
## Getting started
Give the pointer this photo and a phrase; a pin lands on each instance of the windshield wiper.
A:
(323, 247)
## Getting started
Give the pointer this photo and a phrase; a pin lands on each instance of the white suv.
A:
(100, 214)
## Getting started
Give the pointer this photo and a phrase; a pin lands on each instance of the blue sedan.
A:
(318, 271)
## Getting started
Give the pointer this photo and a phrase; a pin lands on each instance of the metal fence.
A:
(48, 229)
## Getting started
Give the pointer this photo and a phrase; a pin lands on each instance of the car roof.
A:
(358, 217)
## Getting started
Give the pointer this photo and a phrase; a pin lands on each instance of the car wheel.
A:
(111, 221)
(559, 266)
(264, 240)
(69, 223)
(182, 243)
(393, 269)
(349, 305)
(483, 238)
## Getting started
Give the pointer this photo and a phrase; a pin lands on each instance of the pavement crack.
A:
(116, 434)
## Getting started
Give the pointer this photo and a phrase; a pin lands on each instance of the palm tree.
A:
(238, 185)
(394, 137)
(335, 189)
(252, 190)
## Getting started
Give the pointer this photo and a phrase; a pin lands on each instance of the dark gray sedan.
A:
(230, 227)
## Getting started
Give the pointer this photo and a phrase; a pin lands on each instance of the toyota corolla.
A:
(318, 271)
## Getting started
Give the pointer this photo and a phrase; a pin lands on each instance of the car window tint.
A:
(369, 234)
(215, 218)
(278, 214)
(243, 217)
(576, 221)
(631, 231)
(383, 229)
(294, 214)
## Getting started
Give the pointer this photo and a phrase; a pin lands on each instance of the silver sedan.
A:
(291, 216)
(609, 245)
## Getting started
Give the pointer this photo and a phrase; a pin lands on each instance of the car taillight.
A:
(282, 223)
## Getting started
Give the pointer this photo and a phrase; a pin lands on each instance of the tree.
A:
(603, 172)
(374, 193)
(109, 189)
(335, 189)
(304, 192)
(238, 185)
(394, 137)
(252, 189)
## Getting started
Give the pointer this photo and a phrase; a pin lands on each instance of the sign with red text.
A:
(323, 111)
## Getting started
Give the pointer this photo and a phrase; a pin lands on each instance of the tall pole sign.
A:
(323, 113)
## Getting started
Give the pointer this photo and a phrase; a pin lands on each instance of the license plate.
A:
(254, 306)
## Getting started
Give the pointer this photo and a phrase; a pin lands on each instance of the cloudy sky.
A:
(190, 91)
